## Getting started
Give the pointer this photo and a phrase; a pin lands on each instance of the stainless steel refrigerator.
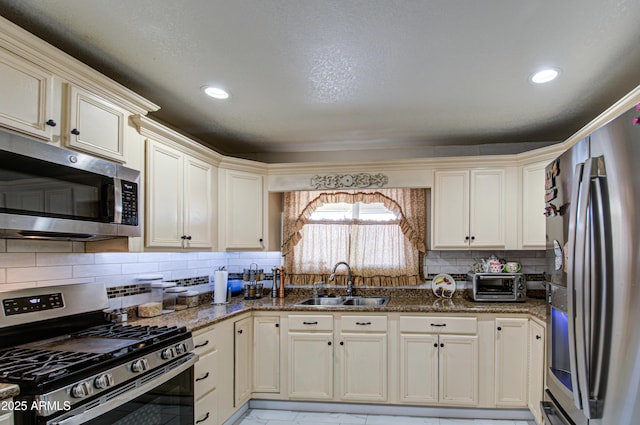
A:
(593, 260)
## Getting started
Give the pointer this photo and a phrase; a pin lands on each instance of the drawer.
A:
(205, 374)
(206, 409)
(205, 341)
(364, 323)
(440, 324)
(300, 322)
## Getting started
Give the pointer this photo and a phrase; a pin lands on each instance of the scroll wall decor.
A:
(342, 181)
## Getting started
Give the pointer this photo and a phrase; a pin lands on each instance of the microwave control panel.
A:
(129, 203)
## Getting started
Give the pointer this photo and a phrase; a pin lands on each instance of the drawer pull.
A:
(439, 325)
(310, 323)
(202, 345)
(202, 378)
(203, 419)
(363, 323)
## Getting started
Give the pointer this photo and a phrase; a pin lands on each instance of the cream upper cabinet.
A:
(179, 199)
(533, 220)
(242, 220)
(94, 125)
(439, 360)
(361, 349)
(27, 96)
(511, 362)
(469, 209)
(536, 368)
(266, 349)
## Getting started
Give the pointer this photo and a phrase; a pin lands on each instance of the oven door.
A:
(155, 399)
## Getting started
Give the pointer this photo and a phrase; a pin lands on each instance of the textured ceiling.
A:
(328, 79)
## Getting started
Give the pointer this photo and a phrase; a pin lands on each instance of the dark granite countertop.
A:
(207, 314)
(8, 391)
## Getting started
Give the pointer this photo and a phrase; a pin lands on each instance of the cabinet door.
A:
(512, 339)
(243, 224)
(94, 125)
(418, 368)
(26, 100)
(458, 370)
(451, 210)
(198, 211)
(487, 221)
(242, 364)
(310, 365)
(362, 360)
(266, 354)
(533, 220)
(536, 368)
(164, 225)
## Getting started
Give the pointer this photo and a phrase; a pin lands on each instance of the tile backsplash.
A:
(28, 264)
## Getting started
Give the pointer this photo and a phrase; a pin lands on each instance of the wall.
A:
(29, 264)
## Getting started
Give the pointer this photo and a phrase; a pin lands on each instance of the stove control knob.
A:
(521, 286)
(181, 348)
(103, 381)
(167, 354)
(139, 365)
(82, 389)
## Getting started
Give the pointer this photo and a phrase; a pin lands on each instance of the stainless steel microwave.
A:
(47, 192)
(497, 287)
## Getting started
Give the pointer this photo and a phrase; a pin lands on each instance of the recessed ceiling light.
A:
(216, 92)
(545, 75)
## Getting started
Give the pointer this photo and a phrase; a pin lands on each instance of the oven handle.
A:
(85, 416)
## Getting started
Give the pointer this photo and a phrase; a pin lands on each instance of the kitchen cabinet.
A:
(469, 209)
(179, 199)
(243, 360)
(511, 361)
(536, 368)
(361, 358)
(26, 103)
(242, 210)
(205, 376)
(439, 360)
(205, 412)
(266, 354)
(310, 357)
(533, 204)
(94, 125)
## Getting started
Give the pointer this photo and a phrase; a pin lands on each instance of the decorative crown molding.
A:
(342, 181)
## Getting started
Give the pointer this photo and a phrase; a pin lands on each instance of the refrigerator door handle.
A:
(575, 263)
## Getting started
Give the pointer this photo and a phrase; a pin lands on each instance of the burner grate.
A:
(37, 365)
(129, 332)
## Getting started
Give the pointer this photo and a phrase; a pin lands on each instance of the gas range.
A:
(74, 363)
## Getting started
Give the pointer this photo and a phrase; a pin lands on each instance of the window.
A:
(380, 233)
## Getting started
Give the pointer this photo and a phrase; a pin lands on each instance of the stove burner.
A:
(35, 365)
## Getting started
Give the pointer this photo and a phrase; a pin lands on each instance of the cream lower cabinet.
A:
(310, 357)
(438, 360)
(536, 368)
(511, 362)
(205, 377)
(361, 358)
(266, 354)
(243, 352)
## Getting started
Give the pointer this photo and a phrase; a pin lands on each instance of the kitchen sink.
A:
(353, 301)
(322, 301)
(367, 301)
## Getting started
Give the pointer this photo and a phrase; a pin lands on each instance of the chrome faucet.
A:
(349, 281)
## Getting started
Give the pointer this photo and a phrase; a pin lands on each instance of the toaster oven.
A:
(496, 287)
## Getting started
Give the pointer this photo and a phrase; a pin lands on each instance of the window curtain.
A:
(388, 254)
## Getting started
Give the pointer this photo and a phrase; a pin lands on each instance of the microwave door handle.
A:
(117, 198)
(573, 266)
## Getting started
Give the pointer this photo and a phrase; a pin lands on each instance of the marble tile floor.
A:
(287, 417)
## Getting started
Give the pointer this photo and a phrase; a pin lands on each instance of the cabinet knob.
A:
(277, 325)
(240, 331)
(329, 343)
(51, 123)
(473, 238)
(435, 344)
(466, 238)
(260, 240)
(538, 337)
(341, 342)
(75, 132)
(441, 345)
(499, 328)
